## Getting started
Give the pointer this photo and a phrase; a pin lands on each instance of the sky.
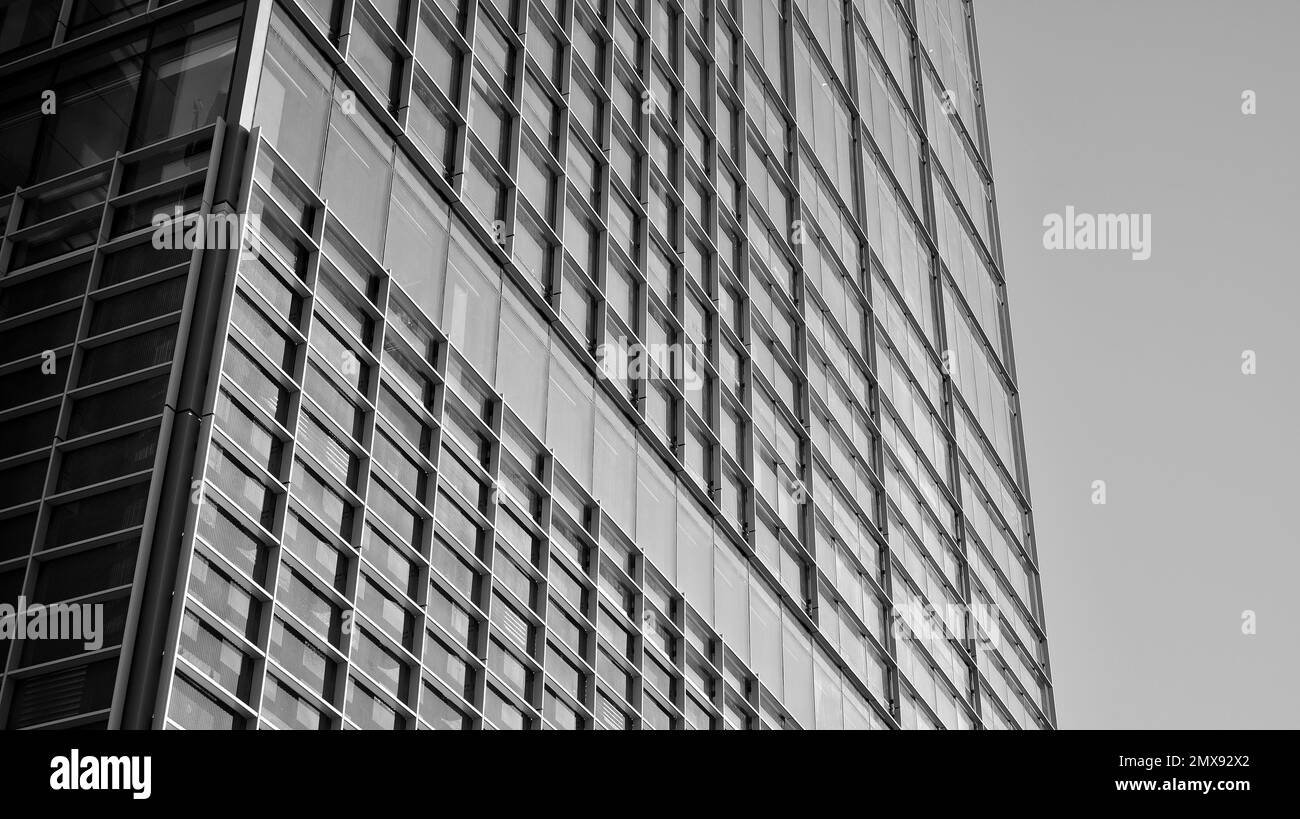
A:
(1131, 372)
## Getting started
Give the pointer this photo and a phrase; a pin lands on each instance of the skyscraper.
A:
(508, 363)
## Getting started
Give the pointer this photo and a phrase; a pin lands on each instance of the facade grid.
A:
(574, 364)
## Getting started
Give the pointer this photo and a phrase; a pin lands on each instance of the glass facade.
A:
(582, 364)
(94, 320)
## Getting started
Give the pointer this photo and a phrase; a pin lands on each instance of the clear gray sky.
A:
(1130, 372)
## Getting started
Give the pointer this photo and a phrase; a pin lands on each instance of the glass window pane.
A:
(358, 170)
(416, 250)
(293, 99)
(656, 514)
(732, 596)
(187, 84)
(95, 97)
(522, 378)
(798, 673)
(695, 555)
(615, 465)
(472, 301)
(569, 415)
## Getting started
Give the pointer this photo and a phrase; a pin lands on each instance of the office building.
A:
(509, 364)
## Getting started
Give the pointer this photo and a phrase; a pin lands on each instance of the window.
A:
(539, 111)
(194, 709)
(490, 118)
(437, 710)
(416, 247)
(390, 560)
(32, 24)
(656, 513)
(731, 592)
(437, 53)
(358, 173)
(215, 589)
(215, 655)
(430, 125)
(322, 500)
(313, 667)
(615, 465)
(187, 84)
(101, 568)
(522, 378)
(266, 335)
(372, 52)
(569, 414)
(765, 630)
(244, 429)
(502, 714)
(286, 709)
(472, 302)
(544, 46)
(316, 551)
(493, 49)
(293, 98)
(93, 92)
(695, 554)
(537, 181)
(297, 594)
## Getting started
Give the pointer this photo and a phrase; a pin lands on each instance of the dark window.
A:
(11, 585)
(119, 406)
(188, 83)
(315, 551)
(324, 12)
(35, 652)
(96, 94)
(108, 459)
(97, 515)
(170, 164)
(50, 333)
(303, 660)
(138, 260)
(62, 694)
(137, 305)
(33, 383)
(127, 355)
(133, 216)
(85, 572)
(48, 288)
(65, 197)
(22, 483)
(54, 240)
(88, 15)
(28, 26)
(27, 433)
(16, 536)
(268, 336)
